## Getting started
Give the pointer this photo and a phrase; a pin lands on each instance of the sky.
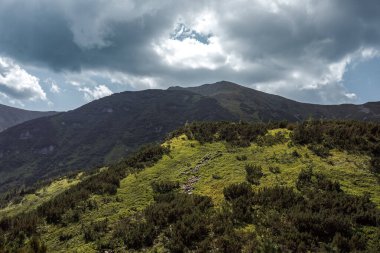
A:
(59, 55)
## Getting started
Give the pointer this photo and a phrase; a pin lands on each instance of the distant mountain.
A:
(10, 116)
(253, 105)
(97, 133)
(107, 129)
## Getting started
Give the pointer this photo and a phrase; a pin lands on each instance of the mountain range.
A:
(105, 130)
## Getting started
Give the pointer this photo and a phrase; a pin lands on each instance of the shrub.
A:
(164, 186)
(217, 177)
(135, 235)
(320, 150)
(36, 245)
(304, 178)
(235, 191)
(375, 165)
(237, 134)
(253, 174)
(65, 237)
(187, 232)
(296, 154)
(241, 158)
(94, 230)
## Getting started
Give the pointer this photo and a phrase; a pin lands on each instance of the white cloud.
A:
(190, 53)
(89, 78)
(54, 88)
(136, 82)
(17, 84)
(97, 92)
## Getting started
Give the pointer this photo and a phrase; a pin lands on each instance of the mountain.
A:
(97, 133)
(10, 116)
(204, 191)
(107, 129)
(253, 105)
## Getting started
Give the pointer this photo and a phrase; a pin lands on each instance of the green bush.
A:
(296, 154)
(135, 235)
(94, 230)
(241, 157)
(253, 174)
(164, 186)
(375, 165)
(320, 150)
(235, 191)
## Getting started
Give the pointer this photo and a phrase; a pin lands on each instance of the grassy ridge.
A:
(203, 168)
(135, 192)
(32, 200)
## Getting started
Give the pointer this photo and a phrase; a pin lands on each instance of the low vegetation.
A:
(221, 187)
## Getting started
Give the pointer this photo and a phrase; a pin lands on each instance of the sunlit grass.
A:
(32, 201)
(135, 192)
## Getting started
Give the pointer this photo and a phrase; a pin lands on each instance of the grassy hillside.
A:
(105, 130)
(98, 133)
(32, 200)
(195, 168)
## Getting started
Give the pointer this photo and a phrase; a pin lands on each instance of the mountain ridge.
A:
(11, 116)
(256, 105)
(97, 133)
(229, 84)
(105, 130)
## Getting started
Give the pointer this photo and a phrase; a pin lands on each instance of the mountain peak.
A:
(217, 85)
(224, 83)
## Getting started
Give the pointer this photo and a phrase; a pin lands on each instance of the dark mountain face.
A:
(97, 133)
(253, 105)
(105, 130)
(10, 116)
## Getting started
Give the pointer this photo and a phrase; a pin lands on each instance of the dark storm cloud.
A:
(33, 33)
(38, 32)
(329, 30)
(272, 41)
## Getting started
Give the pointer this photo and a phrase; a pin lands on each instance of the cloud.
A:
(17, 84)
(54, 88)
(96, 92)
(297, 48)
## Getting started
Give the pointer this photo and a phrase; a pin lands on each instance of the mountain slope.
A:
(299, 200)
(97, 133)
(10, 116)
(253, 105)
(105, 130)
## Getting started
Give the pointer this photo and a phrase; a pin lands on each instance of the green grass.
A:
(135, 191)
(32, 201)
